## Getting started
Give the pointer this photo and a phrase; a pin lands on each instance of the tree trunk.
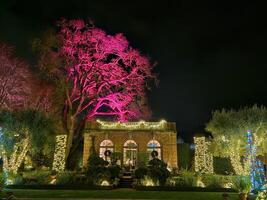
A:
(76, 147)
(70, 136)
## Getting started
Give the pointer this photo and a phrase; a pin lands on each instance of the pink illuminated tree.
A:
(103, 76)
(14, 89)
(19, 89)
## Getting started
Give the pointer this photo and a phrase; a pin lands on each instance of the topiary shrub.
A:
(157, 170)
(141, 172)
(100, 172)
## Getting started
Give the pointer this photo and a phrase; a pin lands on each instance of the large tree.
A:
(14, 89)
(19, 89)
(229, 128)
(100, 75)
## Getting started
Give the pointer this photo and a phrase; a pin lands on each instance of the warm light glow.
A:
(59, 156)
(203, 159)
(20, 150)
(262, 195)
(147, 181)
(105, 183)
(133, 125)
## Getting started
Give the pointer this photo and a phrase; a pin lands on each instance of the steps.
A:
(126, 181)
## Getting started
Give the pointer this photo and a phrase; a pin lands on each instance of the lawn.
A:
(120, 194)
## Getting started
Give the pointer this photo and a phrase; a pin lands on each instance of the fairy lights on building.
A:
(133, 125)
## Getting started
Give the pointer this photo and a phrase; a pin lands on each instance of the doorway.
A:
(130, 155)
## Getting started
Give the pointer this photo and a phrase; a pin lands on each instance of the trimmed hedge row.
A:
(60, 187)
(185, 189)
(140, 188)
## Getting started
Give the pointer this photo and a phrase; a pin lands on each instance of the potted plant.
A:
(243, 185)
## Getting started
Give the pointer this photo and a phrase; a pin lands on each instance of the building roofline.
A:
(131, 126)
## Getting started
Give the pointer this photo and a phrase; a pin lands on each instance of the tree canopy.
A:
(229, 128)
(97, 74)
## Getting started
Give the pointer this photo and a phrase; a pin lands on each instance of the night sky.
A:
(210, 55)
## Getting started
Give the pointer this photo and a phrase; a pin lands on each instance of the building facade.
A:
(132, 143)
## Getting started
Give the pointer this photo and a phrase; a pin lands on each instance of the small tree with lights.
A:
(231, 137)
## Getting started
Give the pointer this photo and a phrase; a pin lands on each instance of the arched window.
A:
(130, 153)
(106, 147)
(154, 149)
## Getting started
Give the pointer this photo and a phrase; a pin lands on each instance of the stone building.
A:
(131, 143)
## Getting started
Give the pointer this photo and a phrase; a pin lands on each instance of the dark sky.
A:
(210, 54)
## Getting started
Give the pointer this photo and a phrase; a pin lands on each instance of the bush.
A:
(212, 181)
(148, 181)
(114, 171)
(242, 184)
(156, 171)
(65, 178)
(143, 158)
(141, 172)
(100, 172)
(36, 177)
(183, 181)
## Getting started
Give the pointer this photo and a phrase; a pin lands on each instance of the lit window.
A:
(130, 153)
(154, 149)
(106, 148)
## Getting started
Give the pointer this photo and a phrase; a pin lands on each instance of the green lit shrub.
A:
(14, 179)
(141, 172)
(100, 172)
(212, 181)
(182, 181)
(158, 171)
(36, 177)
(143, 158)
(242, 184)
(65, 178)
(114, 171)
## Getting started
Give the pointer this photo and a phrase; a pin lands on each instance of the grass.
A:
(120, 194)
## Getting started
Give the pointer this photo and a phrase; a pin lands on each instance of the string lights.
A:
(133, 125)
(17, 157)
(59, 155)
(203, 159)
(238, 168)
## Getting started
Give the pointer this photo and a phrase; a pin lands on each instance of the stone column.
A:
(170, 150)
(87, 144)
